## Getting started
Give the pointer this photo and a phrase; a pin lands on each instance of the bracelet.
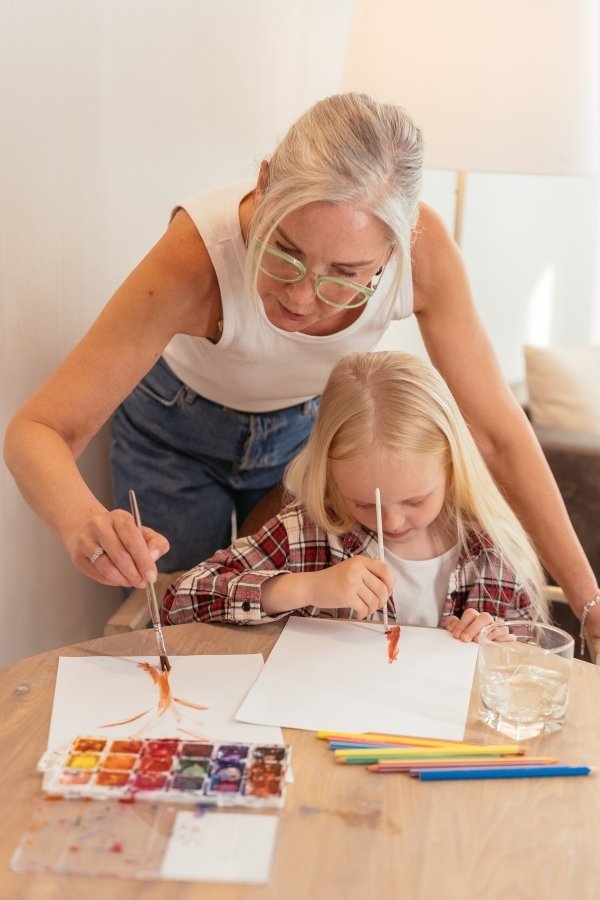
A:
(595, 601)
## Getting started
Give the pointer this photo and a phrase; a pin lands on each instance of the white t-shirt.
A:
(256, 367)
(421, 586)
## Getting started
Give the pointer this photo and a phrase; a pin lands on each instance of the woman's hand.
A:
(128, 555)
(592, 622)
(471, 622)
(361, 584)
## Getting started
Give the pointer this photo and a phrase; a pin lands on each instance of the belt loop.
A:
(189, 395)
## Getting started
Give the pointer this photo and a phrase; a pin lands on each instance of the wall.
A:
(532, 248)
(114, 109)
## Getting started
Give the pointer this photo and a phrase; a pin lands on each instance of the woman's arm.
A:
(174, 289)
(460, 349)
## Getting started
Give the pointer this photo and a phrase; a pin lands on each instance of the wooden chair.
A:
(133, 613)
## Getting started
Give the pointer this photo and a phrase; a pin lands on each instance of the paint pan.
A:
(169, 770)
(156, 841)
(76, 837)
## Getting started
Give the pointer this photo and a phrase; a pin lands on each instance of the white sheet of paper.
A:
(232, 847)
(333, 675)
(92, 692)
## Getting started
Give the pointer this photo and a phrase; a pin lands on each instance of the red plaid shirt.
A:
(226, 588)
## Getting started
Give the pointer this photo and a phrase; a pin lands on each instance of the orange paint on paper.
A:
(393, 637)
(166, 702)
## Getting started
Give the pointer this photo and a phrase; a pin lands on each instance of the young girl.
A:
(455, 553)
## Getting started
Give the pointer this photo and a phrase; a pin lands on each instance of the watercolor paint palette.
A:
(170, 769)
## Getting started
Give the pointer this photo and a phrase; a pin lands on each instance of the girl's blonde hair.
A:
(346, 148)
(388, 405)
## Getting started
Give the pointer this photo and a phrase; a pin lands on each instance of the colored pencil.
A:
(376, 753)
(414, 760)
(499, 772)
(411, 765)
(393, 739)
(382, 736)
(373, 745)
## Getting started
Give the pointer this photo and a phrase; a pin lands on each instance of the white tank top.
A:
(421, 586)
(256, 367)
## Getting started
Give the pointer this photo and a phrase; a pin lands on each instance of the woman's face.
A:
(343, 240)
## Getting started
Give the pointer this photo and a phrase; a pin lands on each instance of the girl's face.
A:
(413, 490)
(342, 240)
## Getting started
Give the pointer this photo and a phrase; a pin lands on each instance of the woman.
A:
(336, 244)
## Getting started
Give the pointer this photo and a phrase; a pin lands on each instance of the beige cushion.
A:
(564, 387)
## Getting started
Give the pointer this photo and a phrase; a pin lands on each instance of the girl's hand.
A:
(361, 584)
(129, 556)
(471, 622)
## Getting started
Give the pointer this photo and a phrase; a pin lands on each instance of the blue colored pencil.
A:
(492, 772)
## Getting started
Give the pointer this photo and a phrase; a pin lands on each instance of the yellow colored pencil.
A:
(404, 752)
(375, 737)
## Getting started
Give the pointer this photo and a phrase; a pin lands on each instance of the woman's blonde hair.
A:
(388, 405)
(346, 148)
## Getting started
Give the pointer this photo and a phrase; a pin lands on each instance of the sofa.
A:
(574, 458)
(562, 399)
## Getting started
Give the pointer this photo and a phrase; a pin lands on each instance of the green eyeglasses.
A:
(338, 292)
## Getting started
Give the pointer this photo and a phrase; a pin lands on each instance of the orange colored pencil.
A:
(392, 739)
(406, 765)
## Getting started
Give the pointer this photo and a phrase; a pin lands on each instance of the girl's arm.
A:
(258, 579)
(460, 349)
(488, 592)
(227, 587)
(174, 289)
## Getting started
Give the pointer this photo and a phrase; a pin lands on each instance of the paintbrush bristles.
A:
(151, 595)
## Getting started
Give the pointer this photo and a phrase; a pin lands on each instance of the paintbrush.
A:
(386, 627)
(151, 595)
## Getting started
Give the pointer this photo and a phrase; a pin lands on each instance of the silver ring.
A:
(96, 555)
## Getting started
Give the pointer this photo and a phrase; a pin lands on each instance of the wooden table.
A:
(593, 644)
(345, 833)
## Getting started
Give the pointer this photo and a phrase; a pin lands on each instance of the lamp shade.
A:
(495, 85)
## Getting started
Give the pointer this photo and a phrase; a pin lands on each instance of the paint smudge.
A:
(393, 637)
(166, 702)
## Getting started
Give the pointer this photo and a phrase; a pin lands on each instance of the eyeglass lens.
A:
(333, 291)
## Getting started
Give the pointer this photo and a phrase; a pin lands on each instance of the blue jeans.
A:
(191, 462)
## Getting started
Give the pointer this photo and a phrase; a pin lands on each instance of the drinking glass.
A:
(524, 680)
